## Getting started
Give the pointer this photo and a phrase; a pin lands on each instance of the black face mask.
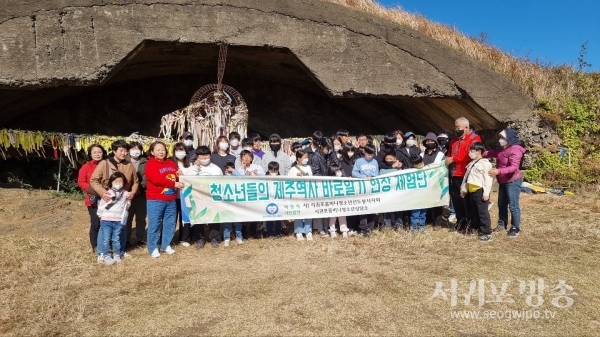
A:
(390, 162)
(430, 146)
(459, 133)
(443, 143)
(275, 147)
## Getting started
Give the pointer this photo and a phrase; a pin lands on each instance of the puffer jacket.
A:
(320, 163)
(508, 159)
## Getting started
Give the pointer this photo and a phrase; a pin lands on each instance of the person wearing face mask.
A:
(366, 168)
(457, 160)
(247, 144)
(96, 153)
(335, 170)
(432, 153)
(188, 141)
(221, 155)
(235, 144)
(137, 208)
(337, 147)
(184, 168)
(347, 163)
(391, 162)
(319, 163)
(390, 144)
(273, 228)
(509, 176)
(410, 148)
(277, 155)
(442, 140)
(112, 214)
(302, 227)
(399, 138)
(295, 147)
(475, 189)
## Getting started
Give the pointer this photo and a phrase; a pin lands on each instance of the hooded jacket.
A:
(435, 156)
(280, 157)
(508, 159)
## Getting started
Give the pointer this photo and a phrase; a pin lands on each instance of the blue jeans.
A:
(227, 230)
(273, 228)
(303, 226)
(417, 218)
(161, 214)
(111, 234)
(452, 212)
(508, 198)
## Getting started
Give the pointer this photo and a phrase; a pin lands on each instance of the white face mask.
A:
(223, 146)
(338, 174)
(350, 154)
(502, 142)
(234, 142)
(411, 142)
(337, 148)
(135, 153)
(180, 154)
(188, 142)
(339, 155)
(117, 187)
(472, 155)
(304, 161)
(204, 162)
(398, 141)
(247, 148)
(272, 174)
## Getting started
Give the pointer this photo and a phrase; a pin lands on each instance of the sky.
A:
(551, 31)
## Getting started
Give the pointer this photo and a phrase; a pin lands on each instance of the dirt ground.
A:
(392, 283)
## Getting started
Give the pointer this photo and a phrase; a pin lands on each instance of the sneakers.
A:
(323, 233)
(226, 243)
(117, 258)
(185, 243)
(345, 235)
(485, 237)
(364, 233)
(200, 244)
(499, 229)
(513, 232)
(169, 250)
(422, 231)
(239, 241)
(125, 256)
(333, 235)
(309, 236)
(106, 259)
(452, 218)
(299, 237)
(351, 233)
(214, 243)
(99, 258)
(155, 253)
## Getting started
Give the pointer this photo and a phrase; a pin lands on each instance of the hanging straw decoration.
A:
(214, 110)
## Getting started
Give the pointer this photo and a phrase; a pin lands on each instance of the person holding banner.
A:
(319, 164)
(366, 168)
(347, 162)
(335, 170)
(247, 145)
(394, 165)
(302, 169)
(161, 196)
(221, 155)
(181, 158)
(205, 167)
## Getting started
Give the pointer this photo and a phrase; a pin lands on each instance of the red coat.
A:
(459, 151)
(83, 180)
(161, 177)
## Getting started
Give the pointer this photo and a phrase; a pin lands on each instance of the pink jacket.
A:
(507, 163)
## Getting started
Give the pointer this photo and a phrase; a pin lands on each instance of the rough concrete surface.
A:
(50, 50)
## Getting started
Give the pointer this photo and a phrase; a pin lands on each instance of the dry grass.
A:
(51, 284)
(535, 78)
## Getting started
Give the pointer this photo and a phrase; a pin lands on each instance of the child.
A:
(113, 216)
(410, 147)
(205, 167)
(389, 158)
(235, 144)
(273, 227)
(184, 168)
(336, 170)
(256, 146)
(247, 165)
(366, 168)
(229, 168)
(247, 144)
(295, 147)
(475, 189)
(319, 164)
(302, 169)
(275, 154)
(417, 216)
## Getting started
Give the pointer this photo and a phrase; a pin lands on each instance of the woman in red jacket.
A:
(96, 153)
(161, 199)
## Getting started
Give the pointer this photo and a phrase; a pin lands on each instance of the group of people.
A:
(132, 184)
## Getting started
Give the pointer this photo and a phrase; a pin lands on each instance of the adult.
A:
(95, 154)
(457, 160)
(221, 155)
(138, 203)
(188, 141)
(105, 168)
(509, 178)
(319, 164)
(161, 196)
(442, 140)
